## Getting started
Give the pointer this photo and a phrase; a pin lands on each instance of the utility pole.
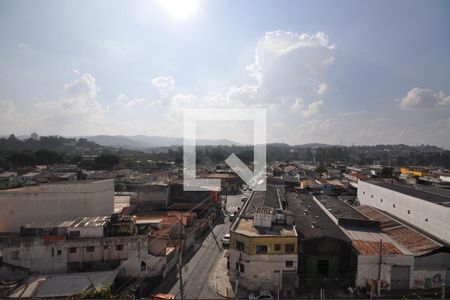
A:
(238, 271)
(180, 259)
(379, 269)
(443, 291)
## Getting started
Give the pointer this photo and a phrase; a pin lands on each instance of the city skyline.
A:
(337, 73)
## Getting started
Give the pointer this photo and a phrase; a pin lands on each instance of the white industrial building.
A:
(424, 209)
(54, 202)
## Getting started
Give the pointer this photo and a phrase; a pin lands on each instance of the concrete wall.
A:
(260, 270)
(37, 255)
(368, 269)
(54, 203)
(153, 196)
(430, 217)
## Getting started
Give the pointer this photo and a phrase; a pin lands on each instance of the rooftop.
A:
(311, 221)
(411, 239)
(268, 198)
(339, 208)
(245, 226)
(427, 195)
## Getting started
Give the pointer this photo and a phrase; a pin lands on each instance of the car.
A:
(163, 296)
(231, 217)
(243, 199)
(260, 295)
(226, 240)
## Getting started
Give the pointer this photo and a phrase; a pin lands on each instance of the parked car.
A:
(163, 296)
(231, 217)
(243, 199)
(260, 295)
(226, 240)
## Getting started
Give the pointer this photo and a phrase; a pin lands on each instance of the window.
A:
(240, 246)
(364, 193)
(105, 247)
(73, 250)
(119, 247)
(322, 266)
(90, 249)
(277, 247)
(381, 200)
(74, 234)
(242, 268)
(393, 205)
(58, 252)
(143, 266)
(15, 255)
(426, 220)
(409, 212)
(261, 249)
(371, 196)
(289, 248)
(289, 264)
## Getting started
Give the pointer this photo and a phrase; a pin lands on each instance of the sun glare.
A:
(180, 9)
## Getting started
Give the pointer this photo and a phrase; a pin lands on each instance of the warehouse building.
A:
(54, 202)
(427, 210)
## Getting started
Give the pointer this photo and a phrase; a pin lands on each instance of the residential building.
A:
(263, 244)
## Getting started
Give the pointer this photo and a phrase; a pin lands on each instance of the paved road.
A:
(196, 270)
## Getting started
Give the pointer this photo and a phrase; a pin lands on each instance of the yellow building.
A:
(413, 172)
(263, 244)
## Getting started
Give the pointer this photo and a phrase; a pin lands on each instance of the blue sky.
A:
(327, 71)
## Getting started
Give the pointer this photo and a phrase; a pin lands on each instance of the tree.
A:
(321, 170)
(22, 159)
(106, 161)
(386, 172)
(48, 157)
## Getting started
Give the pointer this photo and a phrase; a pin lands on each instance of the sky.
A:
(336, 72)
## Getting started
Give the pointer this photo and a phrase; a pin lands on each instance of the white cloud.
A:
(78, 109)
(7, 108)
(322, 88)
(286, 65)
(313, 108)
(424, 98)
(298, 104)
(22, 45)
(125, 102)
(165, 85)
(184, 100)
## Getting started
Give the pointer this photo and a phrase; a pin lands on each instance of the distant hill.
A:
(145, 142)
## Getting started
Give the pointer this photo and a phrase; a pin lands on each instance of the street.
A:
(196, 270)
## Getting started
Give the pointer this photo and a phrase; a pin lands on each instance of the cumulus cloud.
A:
(313, 108)
(419, 98)
(78, 105)
(286, 65)
(165, 85)
(322, 88)
(124, 101)
(289, 64)
(298, 104)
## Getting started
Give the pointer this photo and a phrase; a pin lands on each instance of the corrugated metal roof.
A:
(373, 248)
(411, 239)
